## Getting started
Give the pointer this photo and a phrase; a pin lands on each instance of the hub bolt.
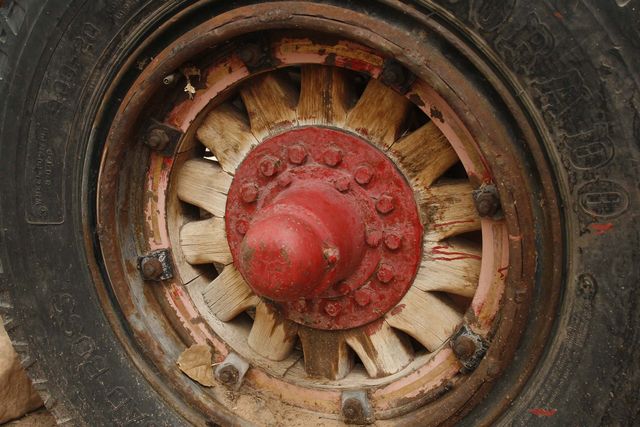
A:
(332, 308)
(285, 180)
(151, 268)
(268, 166)
(249, 192)
(363, 174)
(157, 139)
(301, 305)
(385, 203)
(297, 154)
(332, 157)
(487, 201)
(242, 226)
(392, 241)
(362, 297)
(374, 237)
(385, 273)
(343, 184)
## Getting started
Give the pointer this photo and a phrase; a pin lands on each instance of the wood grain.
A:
(203, 183)
(229, 295)
(271, 336)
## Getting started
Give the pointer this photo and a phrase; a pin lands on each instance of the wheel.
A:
(319, 213)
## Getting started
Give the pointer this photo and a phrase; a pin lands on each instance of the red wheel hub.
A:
(322, 223)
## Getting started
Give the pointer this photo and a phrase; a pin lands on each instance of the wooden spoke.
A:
(451, 266)
(205, 241)
(426, 317)
(425, 154)
(323, 96)
(450, 210)
(270, 101)
(383, 350)
(271, 336)
(225, 131)
(229, 295)
(379, 114)
(326, 353)
(204, 184)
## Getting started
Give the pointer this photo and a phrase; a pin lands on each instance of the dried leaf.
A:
(196, 363)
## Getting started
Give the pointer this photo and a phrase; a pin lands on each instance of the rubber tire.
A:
(578, 63)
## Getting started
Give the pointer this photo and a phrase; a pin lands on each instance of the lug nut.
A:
(228, 375)
(374, 237)
(285, 180)
(343, 184)
(393, 74)
(297, 154)
(464, 347)
(362, 297)
(151, 268)
(487, 201)
(363, 174)
(392, 241)
(332, 308)
(157, 139)
(385, 273)
(332, 157)
(385, 204)
(268, 166)
(356, 408)
(249, 192)
(300, 305)
(242, 226)
(231, 371)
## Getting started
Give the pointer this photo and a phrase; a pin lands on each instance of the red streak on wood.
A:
(438, 250)
(600, 229)
(501, 271)
(444, 224)
(397, 309)
(541, 412)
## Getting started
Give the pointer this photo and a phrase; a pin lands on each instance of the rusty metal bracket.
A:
(396, 76)
(162, 137)
(156, 265)
(356, 408)
(232, 370)
(469, 347)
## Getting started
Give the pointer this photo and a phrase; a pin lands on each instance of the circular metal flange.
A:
(324, 224)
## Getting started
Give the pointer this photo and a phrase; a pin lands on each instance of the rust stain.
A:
(541, 412)
(601, 229)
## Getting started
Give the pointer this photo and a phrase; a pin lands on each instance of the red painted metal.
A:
(309, 236)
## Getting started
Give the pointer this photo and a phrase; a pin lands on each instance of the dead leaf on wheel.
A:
(196, 363)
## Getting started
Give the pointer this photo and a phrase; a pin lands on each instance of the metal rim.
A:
(480, 317)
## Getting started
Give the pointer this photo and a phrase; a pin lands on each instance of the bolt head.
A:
(228, 374)
(151, 268)
(242, 226)
(301, 305)
(385, 204)
(385, 273)
(393, 74)
(392, 241)
(343, 184)
(363, 174)
(464, 347)
(487, 203)
(157, 139)
(249, 192)
(297, 154)
(332, 157)
(352, 409)
(285, 180)
(362, 297)
(332, 308)
(374, 237)
(268, 166)
(251, 54)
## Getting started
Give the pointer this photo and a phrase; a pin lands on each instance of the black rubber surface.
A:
(577, 62)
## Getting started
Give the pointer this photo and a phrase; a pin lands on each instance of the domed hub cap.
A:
(323, 224)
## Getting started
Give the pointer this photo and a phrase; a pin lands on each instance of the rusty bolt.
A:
(362, 297)
(251, 54)
(487, 201)
(242, 226)
(301, 305)
(464, 347)
(297, 154)
(332, 157)
(385, 204)
(157, 139)
(374, 237)
(268, 166)
(352, 409)
(393, 74)
(332, 255)
(228, 374)
(355, 407)
(363, 174)
(385, 273)
(249, 192)
(392, 241)
(151, 268)
(332, 308)
(343, 184)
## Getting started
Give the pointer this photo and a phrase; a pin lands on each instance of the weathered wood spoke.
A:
(383, 350)
(271, 336)
(204, 184)
(426, 317)
(205, 242)
(425, 154)
(326, 353)
(225, 131)
(271, 101)
(229, 295)
(450, 210)
(451, 266)
(323, 96)
(379, 115)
